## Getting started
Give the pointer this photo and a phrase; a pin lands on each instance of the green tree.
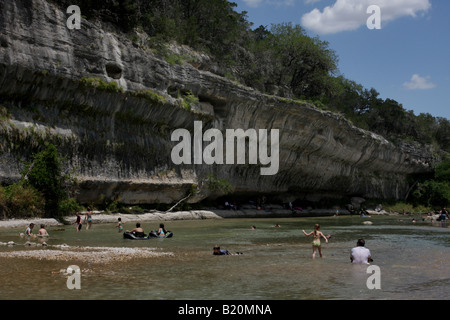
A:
(443, 133)
(436, 192)
(45, 175)
(20, 200)
(304, 63)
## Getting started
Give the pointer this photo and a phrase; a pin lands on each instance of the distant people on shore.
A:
(291, 206)
(364, 213)
(360, 254)
(231, 206)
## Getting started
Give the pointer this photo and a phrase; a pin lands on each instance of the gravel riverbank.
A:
(102, 217)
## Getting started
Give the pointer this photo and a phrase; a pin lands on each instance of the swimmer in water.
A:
(316, 245)
(223, 252)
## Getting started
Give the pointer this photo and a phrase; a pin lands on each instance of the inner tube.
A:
(154, 234)
(132, 236)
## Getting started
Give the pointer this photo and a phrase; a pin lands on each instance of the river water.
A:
(276, 262)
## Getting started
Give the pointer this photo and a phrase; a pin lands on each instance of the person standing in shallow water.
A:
(78, 222)
(316, 245)
(88, 219)
(119, 224)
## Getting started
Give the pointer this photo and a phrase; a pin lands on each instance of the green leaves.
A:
(45, 175)
(436, 192)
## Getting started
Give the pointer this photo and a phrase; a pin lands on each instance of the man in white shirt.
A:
(360, 254)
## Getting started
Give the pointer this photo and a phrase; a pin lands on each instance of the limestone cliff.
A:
(116, 132)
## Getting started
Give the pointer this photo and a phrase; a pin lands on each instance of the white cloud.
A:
(281, 2)
(419, 83)
(258, 3)
(253, 3)
(346, 15)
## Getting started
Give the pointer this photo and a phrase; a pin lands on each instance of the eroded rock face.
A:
(117, 139)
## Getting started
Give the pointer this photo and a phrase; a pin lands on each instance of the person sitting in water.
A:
(360, 254)
(138, 231)
(162, 231)
(219, 252)
(42, 232)
(223, 252)
(29, 230)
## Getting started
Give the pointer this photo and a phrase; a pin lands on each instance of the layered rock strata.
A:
(110, 104)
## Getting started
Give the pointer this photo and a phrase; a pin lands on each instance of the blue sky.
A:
(407, 60)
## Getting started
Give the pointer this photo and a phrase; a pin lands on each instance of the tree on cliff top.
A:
(299, 62)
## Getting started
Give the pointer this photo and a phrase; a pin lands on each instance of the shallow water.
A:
(276, 263)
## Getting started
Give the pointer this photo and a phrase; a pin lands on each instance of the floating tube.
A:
(154, 234)
(132, 236)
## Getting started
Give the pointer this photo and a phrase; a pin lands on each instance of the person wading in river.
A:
(316, 245)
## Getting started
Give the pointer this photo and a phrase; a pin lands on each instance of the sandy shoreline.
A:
(102, 217)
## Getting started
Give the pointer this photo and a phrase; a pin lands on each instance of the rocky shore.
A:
(85, 254)
(103, 217)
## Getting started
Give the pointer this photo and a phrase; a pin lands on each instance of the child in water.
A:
(316, 245)
(119, 224)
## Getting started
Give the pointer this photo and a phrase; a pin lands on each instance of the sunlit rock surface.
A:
(117, 140)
